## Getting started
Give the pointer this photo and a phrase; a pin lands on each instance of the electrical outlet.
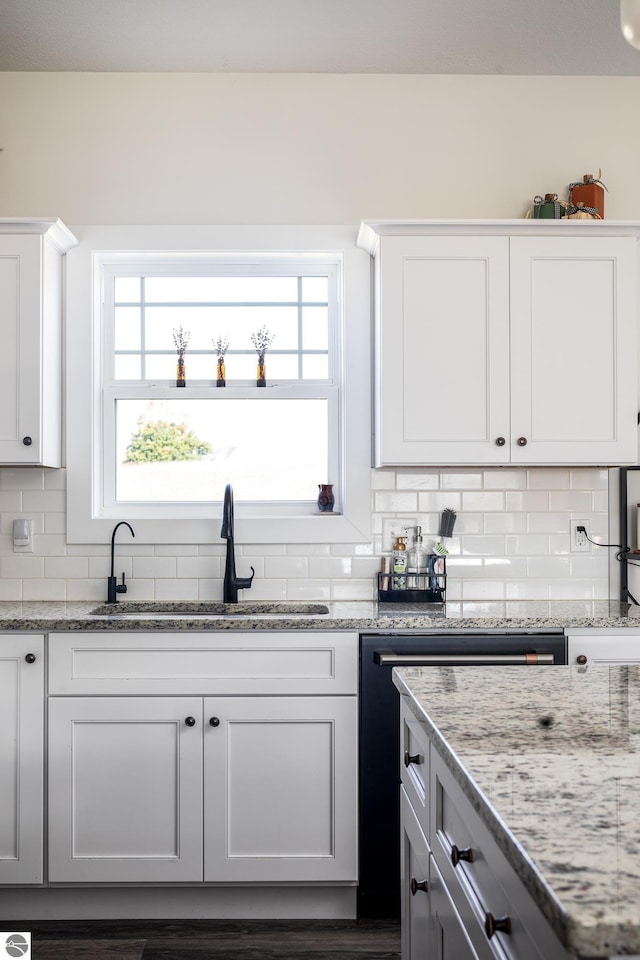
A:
(580, 535)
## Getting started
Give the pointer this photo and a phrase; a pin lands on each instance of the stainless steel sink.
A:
(151, 609)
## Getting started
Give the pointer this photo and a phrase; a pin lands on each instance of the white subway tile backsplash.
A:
(573, 501)
(71, 568)
(154, 568)
(21, 478)
(461, 481)
(176, 589)
(43, 500)
(504, 479)
(417, 481)
(526, 501)
(309, 589)
(10, 589)
(10, 502)
(588, 478)
(286, 567)
(504, 522)
(395, 502)
(525, 545)
(44, 589)
(548, 478)
(330, 567)
(485, 501)
(511, 542)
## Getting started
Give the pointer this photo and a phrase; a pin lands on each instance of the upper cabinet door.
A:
(442, 331)
(573, 350)
(31, 257)
(20, 388)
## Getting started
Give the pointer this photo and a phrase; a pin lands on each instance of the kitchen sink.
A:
(151, 609)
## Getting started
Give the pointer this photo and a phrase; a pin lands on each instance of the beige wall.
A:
(242, 148)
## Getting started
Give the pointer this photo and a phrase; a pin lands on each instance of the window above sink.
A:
(277, 444)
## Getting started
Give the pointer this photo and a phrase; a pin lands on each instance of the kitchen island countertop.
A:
(550, 760)
(46, 616)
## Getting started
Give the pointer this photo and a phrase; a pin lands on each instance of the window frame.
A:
(89, 519)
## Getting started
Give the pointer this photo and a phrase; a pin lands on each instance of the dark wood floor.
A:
(217, 940)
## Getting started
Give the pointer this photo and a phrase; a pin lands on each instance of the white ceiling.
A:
(572, 37)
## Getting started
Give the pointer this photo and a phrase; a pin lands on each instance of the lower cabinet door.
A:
(280, 785)
(414, 896)
(21, 759)
(125, 789)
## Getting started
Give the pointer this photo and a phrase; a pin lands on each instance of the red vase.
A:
(326, 499)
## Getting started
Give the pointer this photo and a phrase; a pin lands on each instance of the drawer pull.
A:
(457, 855)
(581, 659)
(522, 441)
(410, 758)
(496, 924)
(30, 658)
(214, 721)
(416, 885)
(500, 441)
(190, 721)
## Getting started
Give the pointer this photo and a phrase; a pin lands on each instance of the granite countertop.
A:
(47, 615)
(550, 759)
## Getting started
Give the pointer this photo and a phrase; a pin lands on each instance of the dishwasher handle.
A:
(460, 659)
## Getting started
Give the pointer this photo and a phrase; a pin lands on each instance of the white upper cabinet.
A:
(31, 285)
(505, 342)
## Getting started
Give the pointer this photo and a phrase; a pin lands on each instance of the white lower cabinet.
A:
(125, 789)
(603, 646)
(21, 758)
(280, 789)
(220, 789)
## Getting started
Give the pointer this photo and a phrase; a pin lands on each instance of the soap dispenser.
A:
(417, 560)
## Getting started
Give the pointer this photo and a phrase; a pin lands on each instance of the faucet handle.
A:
(243, 583)
(121, 587)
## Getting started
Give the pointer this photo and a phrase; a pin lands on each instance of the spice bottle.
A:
(399, 564)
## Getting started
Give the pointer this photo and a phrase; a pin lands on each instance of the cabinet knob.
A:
(190, 721)
(500, 441)
(581, 659)
(522, 441)
(27, 441)
(415, 885)
(30, 658)
(410, 758)
(457, 855)
(214, 721)
(496, 924)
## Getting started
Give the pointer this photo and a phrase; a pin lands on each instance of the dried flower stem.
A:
(261, 341)
(181, 340)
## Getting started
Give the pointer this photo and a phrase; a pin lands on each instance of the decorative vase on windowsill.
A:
(221, 345)
(326, 499)
(181, 341)
(261, 341)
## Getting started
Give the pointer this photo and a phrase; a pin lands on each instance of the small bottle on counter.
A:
(399, 564)
(385, 572)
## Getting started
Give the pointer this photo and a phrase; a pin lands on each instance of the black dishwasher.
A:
(379, 763)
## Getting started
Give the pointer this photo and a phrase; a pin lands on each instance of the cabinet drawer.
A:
(414, 895)
(231, 663)
(414, 765)
(478, 877)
